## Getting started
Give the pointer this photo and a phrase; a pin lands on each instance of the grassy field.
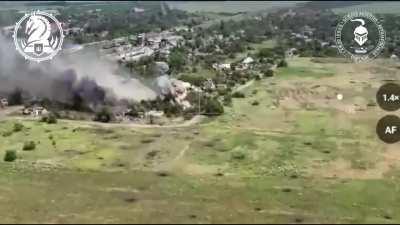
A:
(230, 6)
(281, 161)
(375, 7)
(256, 47)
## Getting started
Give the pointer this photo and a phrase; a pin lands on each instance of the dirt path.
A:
(6, 111)
(244, 86)
(195, 120)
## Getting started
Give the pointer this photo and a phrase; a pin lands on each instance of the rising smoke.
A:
(66, 76)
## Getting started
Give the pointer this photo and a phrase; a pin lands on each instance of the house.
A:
(222, 66)
(35, 111)
(73, 31)
(248, 60)
(209, 85)
(394, 57)
(246, 64)
(182, 28)
(154, 116)
(136, 54)
(138, 10)
(3, 102)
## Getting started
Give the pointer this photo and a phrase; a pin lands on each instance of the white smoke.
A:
(36, 78)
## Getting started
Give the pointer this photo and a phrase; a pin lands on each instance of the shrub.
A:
(228, 100)
(213, 107)
(255, 102)
(29, 146)
(239, 155)
(51, 118)
(18, 127)
(269, 73)
(104, 115)
(7, 133)
(282, 63)
(238, 94)
(10, 156)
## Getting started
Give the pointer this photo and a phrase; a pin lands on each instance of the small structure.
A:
(248, 60)
(246, 64)
(222, 66)
(138, 10)
(3, 102)
(35, 111)
(209, 85)
(394, 57)
(154, 116)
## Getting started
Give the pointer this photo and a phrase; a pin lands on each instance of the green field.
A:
(375, 7)
(263, 163)
(230, 6)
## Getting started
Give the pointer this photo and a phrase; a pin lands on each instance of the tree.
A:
(238, 94)
(176, 60)
(15, 97)
(268, 73)
(10, 156)
(104, 115)
(282, 63)
(213, 107)
(29, 146)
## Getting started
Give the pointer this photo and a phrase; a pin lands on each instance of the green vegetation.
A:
(104, 115)
(376, 8)
(238, 94)
(10, 156)
(18, 127)
(228, 7)
(29, 146)
(213, 107)
(50, 118)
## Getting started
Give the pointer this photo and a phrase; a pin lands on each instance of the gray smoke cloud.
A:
(39, 78)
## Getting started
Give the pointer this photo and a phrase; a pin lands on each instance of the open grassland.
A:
(374, 7)
(298, 156)
(230, 6)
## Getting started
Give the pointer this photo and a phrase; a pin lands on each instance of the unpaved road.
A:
(8, 110)
(195, 120)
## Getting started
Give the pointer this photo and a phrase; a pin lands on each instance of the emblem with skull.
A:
(360, 33)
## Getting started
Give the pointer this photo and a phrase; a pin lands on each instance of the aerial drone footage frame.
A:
(199, 112)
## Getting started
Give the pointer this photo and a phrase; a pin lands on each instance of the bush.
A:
(104, 115)
(238, 94)
(239, 155)
(18, 127)
(282, 63)
(255, 103)
(29, 146)
(51, 118)
(228, 100)
(10, 156)
(213, 107)
(269, 73)
(7, 133)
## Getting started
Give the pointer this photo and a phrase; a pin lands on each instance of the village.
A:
(174, 56)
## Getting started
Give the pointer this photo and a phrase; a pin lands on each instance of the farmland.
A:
(298, 156)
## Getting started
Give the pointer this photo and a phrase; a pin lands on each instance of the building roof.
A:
(248, 60)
